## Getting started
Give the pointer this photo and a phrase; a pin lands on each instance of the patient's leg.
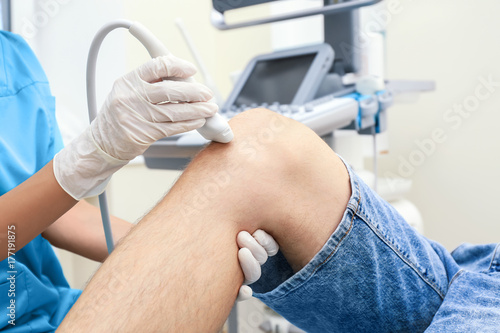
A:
(178, 271)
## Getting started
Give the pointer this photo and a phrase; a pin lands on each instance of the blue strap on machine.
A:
(372, 111)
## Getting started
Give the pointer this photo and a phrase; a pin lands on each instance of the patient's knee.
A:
(270, 139)
(255, 167)
(275, 175)
(263, 123)
(269, 152)
(267, 127)
(295, 181)
(259, 142)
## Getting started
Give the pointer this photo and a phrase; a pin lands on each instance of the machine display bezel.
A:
(317, 70)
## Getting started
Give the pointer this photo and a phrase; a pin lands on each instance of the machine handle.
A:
(218, 20)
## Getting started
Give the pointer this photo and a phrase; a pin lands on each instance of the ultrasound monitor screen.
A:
(275, 80)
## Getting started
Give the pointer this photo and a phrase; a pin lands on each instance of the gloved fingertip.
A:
(258, 251)
(273, 252)
(207, 109)
(188, 68)
(244, 294)
(241, 237)
(243, 253)
(249, 265)
(205, 94)
(171, 66)
(182, 126)
(267, 242)
(213, 108)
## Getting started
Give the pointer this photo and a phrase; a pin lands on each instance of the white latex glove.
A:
(140, 110)
(254, 251)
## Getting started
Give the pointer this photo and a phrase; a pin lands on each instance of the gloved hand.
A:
(254, 251)
(140, 110)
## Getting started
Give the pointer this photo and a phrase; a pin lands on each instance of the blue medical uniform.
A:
(29, 139)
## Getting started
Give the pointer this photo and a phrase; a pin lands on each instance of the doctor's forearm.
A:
(80, 231)
(30, 208)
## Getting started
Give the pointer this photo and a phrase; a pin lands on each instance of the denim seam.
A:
(331, 253)
(402, 257)
(460, 272)
(494, 262)
(342, 239)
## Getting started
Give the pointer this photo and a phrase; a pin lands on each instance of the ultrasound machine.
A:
(305, 83)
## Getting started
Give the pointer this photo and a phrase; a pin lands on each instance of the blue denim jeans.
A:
(377, 274)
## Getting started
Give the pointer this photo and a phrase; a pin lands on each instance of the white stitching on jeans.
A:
(494, 263)
(382, 237)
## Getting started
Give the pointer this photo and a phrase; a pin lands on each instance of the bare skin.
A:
(46, 200)
(177, 270)
(63, 221)
(80, 231)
